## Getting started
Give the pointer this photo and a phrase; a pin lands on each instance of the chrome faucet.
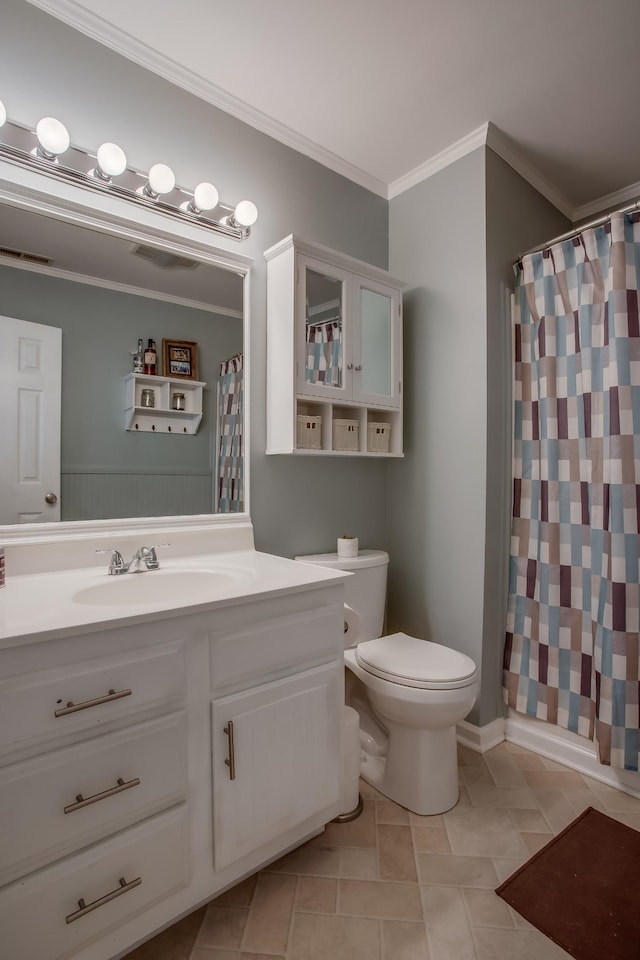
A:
(145, 558)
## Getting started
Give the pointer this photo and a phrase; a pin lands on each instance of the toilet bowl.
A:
(409, 694)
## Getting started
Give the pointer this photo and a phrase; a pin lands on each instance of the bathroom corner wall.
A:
(454, 238)
(437, 494)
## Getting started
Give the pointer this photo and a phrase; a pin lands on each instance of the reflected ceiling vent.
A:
(26, 257)
(164, 259)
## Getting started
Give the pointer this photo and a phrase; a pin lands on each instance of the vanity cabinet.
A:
(275, 756)
(148, 766)
(334, 353)
(93, 785)
(162, 417)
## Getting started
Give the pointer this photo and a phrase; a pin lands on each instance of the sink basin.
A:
(156, 586)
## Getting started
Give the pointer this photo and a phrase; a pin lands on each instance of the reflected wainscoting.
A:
(109, 496)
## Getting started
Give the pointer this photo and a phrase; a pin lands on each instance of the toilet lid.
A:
(415, 663)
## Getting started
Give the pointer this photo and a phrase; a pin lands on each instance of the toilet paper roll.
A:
(352, 626)
(350, 760)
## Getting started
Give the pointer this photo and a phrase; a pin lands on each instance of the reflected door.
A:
(378, 366)
(30, 389)
(323, 342)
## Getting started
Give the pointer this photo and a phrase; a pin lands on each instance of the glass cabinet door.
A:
(377, 367)
(323, 343)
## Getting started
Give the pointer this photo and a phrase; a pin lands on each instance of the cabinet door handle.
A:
(85, 908)
(349, 366)
(231, 761)
(72, 707)
(358, 368)
(121, 785)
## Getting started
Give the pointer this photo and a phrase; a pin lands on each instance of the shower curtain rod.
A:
(577, 230)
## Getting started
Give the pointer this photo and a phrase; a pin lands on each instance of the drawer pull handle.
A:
(231, 762)
(85, 801)
(72, 707)
(85, 908)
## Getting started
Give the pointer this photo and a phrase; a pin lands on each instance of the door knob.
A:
(50, 498)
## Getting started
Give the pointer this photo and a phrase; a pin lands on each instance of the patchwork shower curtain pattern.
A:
(324, 353)
(572, 648)
(230, 478)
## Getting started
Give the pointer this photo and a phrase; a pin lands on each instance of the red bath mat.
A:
(583, 889)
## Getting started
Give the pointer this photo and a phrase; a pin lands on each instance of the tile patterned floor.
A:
(392, 885)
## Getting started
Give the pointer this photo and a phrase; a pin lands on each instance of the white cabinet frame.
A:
(289, 394)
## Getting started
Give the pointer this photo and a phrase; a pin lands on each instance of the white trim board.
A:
(548, 741)
(480, 739)
(569, 749)
(467, 144)
(616, 199)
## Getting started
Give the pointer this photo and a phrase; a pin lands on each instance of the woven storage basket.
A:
(346, 435)
(309, 432)
(378, 436)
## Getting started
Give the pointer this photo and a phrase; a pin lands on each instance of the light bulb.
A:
(111, 159)
(53, 137)
(245, 213)
(161, 180)
(205, 197)
(3, 114)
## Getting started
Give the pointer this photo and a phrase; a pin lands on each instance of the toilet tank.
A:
(366, 590)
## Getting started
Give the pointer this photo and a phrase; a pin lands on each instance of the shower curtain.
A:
(572, 646)
(324, 353)
(229, 466)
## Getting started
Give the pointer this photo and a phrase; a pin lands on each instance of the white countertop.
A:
(42, 606)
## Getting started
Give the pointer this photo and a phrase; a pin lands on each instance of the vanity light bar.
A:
(48, 150)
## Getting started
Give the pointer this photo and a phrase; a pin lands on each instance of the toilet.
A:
(409, 693)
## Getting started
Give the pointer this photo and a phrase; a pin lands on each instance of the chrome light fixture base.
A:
(80, 167)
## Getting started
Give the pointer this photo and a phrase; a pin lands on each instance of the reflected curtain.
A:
(324, 353)
(230, 463)
(572, 647)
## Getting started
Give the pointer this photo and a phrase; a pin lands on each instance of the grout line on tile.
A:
(292, 916)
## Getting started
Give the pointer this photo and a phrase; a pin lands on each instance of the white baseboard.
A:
(480, 739)
(567, 748)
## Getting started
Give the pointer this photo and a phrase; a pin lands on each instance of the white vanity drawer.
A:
(272, 644)
(41, 918)
(81, 696)
(54, 804)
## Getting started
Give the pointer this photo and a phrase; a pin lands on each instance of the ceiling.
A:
(74, 251)
(387, 91)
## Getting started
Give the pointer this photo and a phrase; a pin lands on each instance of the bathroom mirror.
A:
(105, 281)
(324, 312)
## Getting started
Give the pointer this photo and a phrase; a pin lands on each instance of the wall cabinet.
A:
(146, 768)
(334, 353)
(162, 416)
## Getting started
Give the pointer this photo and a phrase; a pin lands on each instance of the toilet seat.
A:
(411, 662)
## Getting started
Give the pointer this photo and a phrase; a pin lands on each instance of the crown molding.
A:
(121, 42)
(487, 135)
(504, 147)
(59, 274)
(477, 138)
(616, 199)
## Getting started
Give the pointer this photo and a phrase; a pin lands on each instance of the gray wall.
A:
(99, 328)
(437, 493)
(454, 238)
(297, 505)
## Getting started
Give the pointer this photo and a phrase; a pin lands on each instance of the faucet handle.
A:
(151, 559)
(117, 564)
